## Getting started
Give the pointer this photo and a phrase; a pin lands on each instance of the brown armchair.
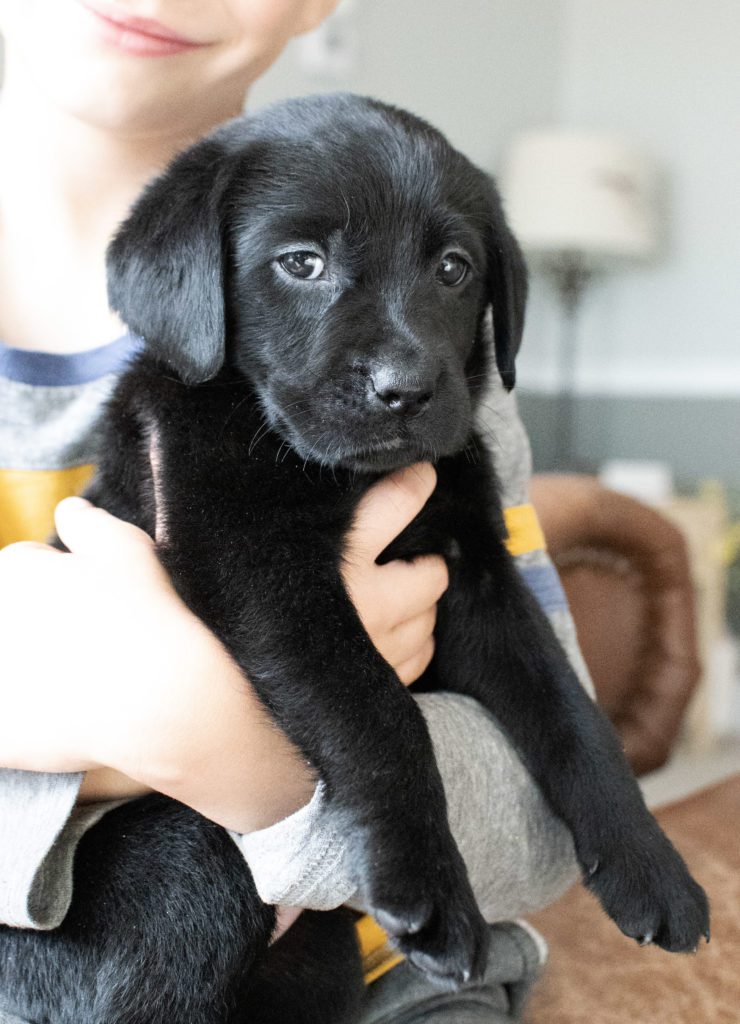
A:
(625, 569)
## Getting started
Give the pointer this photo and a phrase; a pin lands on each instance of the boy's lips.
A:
(142, 37)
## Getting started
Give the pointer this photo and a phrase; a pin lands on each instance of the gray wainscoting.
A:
(698, 437)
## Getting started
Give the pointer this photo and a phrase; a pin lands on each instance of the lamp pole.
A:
(570, 276)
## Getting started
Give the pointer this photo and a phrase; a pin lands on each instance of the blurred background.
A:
(612, 128)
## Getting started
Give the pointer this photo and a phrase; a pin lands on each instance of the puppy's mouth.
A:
(369, 454)
(382, 456)
(340, 438)
(374, 456)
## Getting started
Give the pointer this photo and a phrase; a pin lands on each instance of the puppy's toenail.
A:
(645, 940)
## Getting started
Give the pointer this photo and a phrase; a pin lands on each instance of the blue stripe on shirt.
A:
(50, 369)
(544, 582)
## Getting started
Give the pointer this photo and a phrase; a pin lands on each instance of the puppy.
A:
(313, 284)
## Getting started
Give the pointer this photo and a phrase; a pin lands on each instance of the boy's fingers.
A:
(410, 671)
(23, 547)
(87, 530)
(414, 587)
(388, 508)
(410, 635)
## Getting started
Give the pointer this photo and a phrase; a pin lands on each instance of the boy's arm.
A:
(519, 855)
(183, 728)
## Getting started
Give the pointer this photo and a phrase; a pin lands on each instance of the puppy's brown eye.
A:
(304, 264)
(452, 270)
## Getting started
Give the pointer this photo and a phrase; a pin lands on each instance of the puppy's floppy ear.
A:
(507, 292)
(166, 264)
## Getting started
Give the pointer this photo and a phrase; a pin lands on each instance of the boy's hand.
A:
(397, 602)
(88, 638)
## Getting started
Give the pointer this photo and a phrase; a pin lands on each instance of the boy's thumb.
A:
(388, 508)
(87, 530)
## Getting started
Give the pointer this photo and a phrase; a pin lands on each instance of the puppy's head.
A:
(343, 257)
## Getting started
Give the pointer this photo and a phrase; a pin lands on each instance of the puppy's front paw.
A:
(647, 890)
(435, 922)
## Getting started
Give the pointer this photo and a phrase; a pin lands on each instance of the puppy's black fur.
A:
(314, 286)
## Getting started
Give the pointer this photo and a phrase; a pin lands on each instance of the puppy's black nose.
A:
(405, 403)
(403, 396)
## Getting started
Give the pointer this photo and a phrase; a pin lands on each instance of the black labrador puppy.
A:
(314, 284)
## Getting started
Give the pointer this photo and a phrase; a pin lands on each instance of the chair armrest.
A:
(625, 569)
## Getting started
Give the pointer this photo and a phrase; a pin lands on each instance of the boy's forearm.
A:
(101, 784)
(219, 752)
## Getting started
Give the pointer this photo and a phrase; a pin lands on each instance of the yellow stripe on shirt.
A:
(378, 956)
(525, 532)
(28, 498)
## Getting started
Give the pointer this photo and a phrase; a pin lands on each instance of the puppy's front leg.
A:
(495, 644)
(296, 635)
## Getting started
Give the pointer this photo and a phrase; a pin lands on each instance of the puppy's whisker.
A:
(491, 410)
(233, 412)
(347, 208)
(489, 435)
(259, 433)
(294, 405)
(314, 448)
(471, 452)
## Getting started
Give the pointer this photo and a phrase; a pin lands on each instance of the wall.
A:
(478, 69)
(663, 73)
(699, 438)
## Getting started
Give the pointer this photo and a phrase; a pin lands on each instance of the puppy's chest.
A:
(228, 486)
(222, 476)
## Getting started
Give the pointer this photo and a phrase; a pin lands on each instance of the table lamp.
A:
(581, 204)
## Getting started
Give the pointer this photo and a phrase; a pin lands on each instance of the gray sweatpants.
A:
(403, 996)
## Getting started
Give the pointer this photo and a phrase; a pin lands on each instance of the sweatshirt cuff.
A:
(38, 810)
(300, 861)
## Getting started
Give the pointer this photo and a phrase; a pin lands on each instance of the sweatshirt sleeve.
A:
(40, 829)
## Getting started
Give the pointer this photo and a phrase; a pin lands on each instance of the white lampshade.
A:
(578, 194)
